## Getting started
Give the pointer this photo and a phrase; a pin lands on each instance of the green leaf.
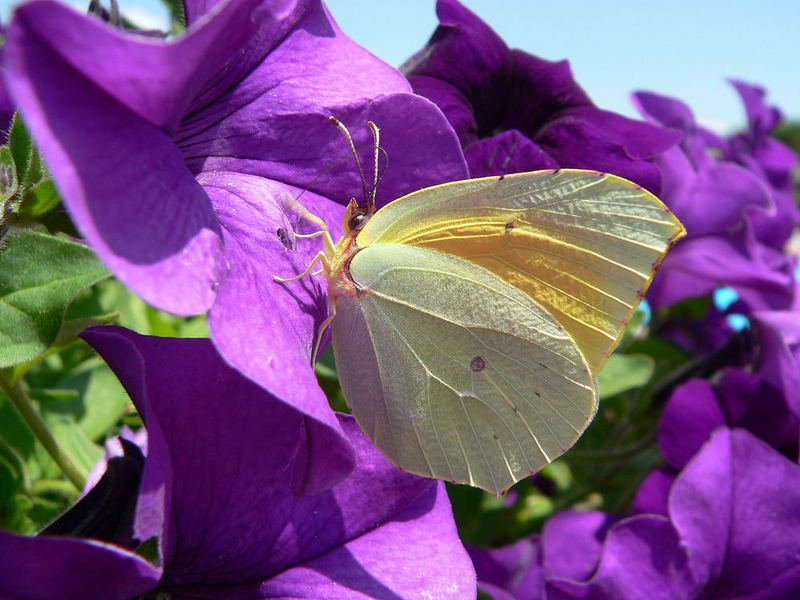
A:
(13, 429)
(73, 441)
(39, 276)
(325, 370)
(100, 401)
(8, 175)
(134, 314)
(559, 473)
(536, 506)
(177, 14)
(9, 481)
(71, 328)
(624, 372)
(15, 462)
(53, 395)
(21, 147)
(35, 172)
(38, 200)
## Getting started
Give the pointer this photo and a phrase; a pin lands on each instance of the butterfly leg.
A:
(323, 326)
(304, 213)
(320, 257)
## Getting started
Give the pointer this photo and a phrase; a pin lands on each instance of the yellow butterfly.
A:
(470, 319)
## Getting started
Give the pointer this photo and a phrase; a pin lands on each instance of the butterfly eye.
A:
(357, 221)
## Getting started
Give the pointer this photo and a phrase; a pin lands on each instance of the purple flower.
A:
(723, 206)
(705, 335)
(516, 112)
(779, 352)
(771, 160)
(173, 159)
(698, 408)
(512, 572)
(115, 447)
(736, 399)
(216, 494)
(731, 532)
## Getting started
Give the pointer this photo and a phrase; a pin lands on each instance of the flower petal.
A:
(572, 529)
(652, 495)
(467, 56)
(219, 449)
(513, 571)
(690, 415)
(120, 175)
(735, 507)
(779, 333)
(507, 152)
(763, 277)
(43, 568)
(642, 560)
(414, 554)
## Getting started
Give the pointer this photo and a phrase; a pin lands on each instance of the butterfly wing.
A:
(584, 245)
(455, 374)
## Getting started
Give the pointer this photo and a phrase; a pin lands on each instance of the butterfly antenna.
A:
(376, 134)
(349, 139)
(379, 176)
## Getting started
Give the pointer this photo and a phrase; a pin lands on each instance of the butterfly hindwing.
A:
(454, 373)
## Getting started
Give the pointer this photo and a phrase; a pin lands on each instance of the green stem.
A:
(39, 428)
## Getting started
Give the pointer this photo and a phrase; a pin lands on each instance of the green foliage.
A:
(27, 194)
(39, 276)
(58, 401)
(624, 372)
(177, 15)
(789, 134)
(325, 370)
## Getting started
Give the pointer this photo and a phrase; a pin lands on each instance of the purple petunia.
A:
(216, 494)
(516, 112)
(174, 158)
(770, 159)
(779, 352)
(736, 398)
(731, 531)
(736, 220)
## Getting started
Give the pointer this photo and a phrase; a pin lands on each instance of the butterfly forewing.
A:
(466, 378)
(582, 244)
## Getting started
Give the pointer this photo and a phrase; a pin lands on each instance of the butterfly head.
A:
(356, 216)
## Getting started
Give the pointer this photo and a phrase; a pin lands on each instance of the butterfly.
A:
(469, 320)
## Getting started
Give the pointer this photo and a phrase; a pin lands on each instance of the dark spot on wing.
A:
(537, 394)
(477, 364)
(509, 227)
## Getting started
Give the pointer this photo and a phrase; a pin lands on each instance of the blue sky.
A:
(678, 47)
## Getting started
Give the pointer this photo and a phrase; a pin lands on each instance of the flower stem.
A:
(40, 430)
